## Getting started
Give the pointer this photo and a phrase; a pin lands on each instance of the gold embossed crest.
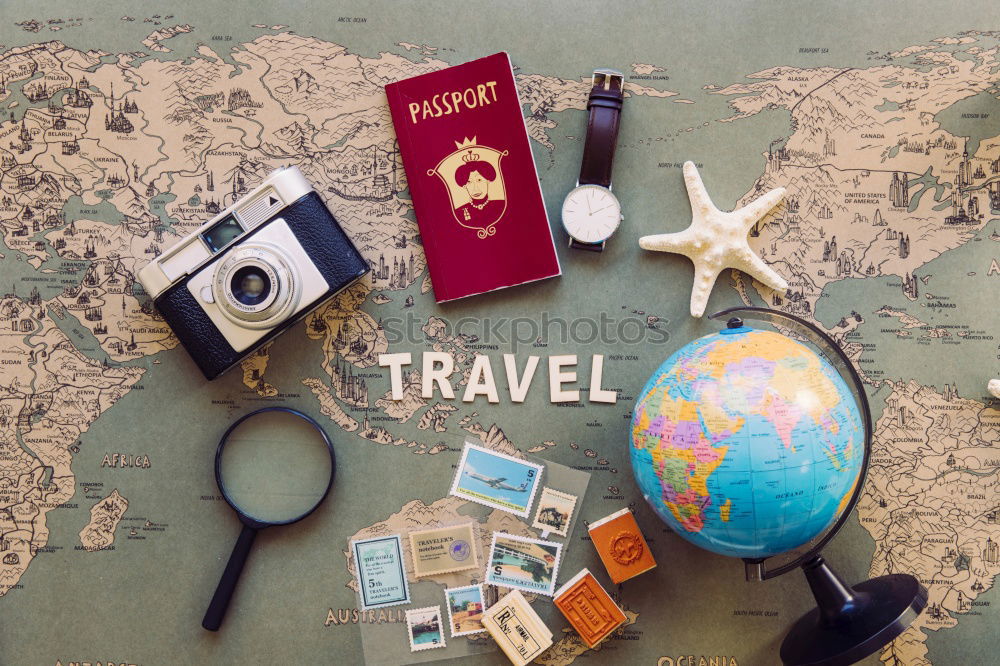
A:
(626, 547)
(474, 181)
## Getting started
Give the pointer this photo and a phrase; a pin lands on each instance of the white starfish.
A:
(717, 240)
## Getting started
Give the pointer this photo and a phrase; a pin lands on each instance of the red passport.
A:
(472, 178)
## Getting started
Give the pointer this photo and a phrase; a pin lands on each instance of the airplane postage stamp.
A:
(441, 550)
(523, 563)
(497, 480)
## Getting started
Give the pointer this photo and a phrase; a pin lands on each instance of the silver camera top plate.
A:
(279, 189)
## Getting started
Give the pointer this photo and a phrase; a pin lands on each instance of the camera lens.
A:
(255, 286)
(250, 285)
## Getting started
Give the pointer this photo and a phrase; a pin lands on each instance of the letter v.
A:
(519, 389)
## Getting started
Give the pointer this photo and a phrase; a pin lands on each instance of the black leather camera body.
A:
(251, 272)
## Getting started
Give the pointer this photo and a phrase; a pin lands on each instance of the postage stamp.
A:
(496, 480)
(381, 571)
(555, 508)
(424, 628)
(465, 609)
(443, 550)
(522, 563)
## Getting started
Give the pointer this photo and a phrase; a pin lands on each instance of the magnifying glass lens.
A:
(275, 466)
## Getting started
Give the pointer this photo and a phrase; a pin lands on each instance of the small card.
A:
(589, 608)
(496, 480)
(465, 609)
(381, 571)
(621, 546)
(555, 508)
(522, 563)
(442, 550)
(424, 628)
(517, 629)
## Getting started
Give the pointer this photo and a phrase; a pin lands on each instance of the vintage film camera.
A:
(252, 271)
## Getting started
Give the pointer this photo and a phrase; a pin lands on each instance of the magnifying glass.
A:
(274, 466)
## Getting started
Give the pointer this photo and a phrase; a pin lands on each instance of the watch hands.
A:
(600, 209)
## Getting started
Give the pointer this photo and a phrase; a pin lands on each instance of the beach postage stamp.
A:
(381, 571)
(496, 480)
(555, 508)
(425, 628)
(440, 550)
(522, 563)
(465, 609)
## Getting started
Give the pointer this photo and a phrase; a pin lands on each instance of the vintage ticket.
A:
(443, 550)
(522, 563)
(517, 629)
(381, 571)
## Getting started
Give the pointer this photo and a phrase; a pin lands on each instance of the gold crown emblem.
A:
(464, 144)
(470, 156)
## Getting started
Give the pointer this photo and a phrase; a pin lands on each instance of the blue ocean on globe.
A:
(747, 443)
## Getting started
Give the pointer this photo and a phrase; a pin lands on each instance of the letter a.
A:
(481, 381)
(519, 389)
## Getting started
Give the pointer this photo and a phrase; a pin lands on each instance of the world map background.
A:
(814, 102)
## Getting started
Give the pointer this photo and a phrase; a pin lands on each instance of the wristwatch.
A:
(591, 212)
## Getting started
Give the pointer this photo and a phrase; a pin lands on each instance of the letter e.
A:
(557, 378)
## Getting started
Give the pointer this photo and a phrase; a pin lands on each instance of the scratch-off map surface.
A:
(123, 128)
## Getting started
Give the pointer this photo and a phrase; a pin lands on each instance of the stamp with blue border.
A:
(381, 571)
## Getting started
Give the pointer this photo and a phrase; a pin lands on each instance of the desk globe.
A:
(748, 443)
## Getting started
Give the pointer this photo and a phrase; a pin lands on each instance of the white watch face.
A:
(591, 213)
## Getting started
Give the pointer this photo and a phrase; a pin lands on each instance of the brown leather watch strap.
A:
(604, 111)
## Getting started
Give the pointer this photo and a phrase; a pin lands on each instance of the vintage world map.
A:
(123, 130)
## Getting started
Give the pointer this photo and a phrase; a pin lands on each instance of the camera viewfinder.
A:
(222, 234)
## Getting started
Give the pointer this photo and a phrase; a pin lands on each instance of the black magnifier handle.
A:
(227, 584)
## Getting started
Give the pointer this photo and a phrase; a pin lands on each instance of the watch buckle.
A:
(607, 78)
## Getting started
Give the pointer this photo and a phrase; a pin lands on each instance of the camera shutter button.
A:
(206, 294)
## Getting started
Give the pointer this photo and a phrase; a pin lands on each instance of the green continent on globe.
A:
(747, 443)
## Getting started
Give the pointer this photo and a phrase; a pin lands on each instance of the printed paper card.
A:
(381, 572)
(440, 550)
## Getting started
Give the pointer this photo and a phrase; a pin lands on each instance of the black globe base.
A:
(850, 623)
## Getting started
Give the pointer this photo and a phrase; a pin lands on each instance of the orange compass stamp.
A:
(620, 544)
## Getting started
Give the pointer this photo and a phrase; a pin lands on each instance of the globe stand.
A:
(850, 623)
